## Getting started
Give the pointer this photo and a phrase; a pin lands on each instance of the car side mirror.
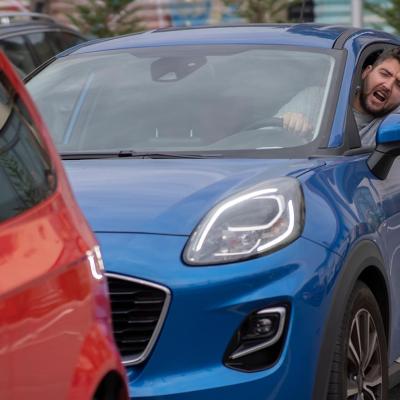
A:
(387, 146)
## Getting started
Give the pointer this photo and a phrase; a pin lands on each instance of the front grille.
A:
(138, 311)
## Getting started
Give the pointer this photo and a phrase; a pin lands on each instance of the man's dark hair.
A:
(386, 55)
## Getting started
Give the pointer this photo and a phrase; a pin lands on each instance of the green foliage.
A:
(389, 12)
(105, 18)
(259, 11)
(21, 180)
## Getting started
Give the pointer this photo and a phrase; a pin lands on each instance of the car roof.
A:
(307, 35)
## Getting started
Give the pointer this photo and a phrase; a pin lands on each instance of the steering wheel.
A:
(276, 122)
(273, 122)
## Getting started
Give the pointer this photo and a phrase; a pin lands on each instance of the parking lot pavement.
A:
(395, 393)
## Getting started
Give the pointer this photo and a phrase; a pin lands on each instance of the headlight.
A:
(248, 224)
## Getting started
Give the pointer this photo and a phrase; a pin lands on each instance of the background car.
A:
(242, 260)
(56, 340)
(30, 39)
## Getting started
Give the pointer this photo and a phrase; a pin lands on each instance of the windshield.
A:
(181, 98)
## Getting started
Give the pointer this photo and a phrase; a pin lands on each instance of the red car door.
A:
(55, 337)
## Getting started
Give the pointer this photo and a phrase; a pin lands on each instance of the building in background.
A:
(298, 12)
(339, 12)
(164, 13)
(155, 13)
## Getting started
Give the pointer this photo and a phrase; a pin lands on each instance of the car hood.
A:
(165, 196)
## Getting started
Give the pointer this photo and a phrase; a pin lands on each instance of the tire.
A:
(111, 388)
(355, 374)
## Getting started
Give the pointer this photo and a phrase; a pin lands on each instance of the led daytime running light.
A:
(225, 207)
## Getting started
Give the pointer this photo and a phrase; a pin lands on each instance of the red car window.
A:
(26, 174)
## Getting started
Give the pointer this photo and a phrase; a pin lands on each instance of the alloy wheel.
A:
(364, 360)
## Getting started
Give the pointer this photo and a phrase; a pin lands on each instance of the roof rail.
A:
(11, 17)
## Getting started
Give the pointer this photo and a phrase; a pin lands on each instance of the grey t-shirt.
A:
(367, 126)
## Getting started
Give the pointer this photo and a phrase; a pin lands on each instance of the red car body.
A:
(56, 340)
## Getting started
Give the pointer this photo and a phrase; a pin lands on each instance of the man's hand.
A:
(296, 123)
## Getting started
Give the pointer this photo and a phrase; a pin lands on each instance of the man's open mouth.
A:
(380, 95)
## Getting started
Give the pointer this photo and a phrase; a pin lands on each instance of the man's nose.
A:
(388, 84)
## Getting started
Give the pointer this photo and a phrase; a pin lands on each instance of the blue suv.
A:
(244, 261)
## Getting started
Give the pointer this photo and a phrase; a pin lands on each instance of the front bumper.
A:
(209, 304)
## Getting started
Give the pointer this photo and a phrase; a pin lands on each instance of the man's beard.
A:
(375, 113)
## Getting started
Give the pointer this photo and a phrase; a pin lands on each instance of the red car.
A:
(56, 340)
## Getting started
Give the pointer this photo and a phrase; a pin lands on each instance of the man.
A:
(377, 96)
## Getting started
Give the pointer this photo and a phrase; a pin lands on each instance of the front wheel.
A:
(359, 368)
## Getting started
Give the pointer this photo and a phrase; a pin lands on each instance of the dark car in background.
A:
(30, 39)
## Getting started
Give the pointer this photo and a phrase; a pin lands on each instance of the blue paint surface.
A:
(389, 130)
(144, 211)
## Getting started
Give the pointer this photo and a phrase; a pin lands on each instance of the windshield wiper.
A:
(133, 154)
(136, 154)
(87, 155)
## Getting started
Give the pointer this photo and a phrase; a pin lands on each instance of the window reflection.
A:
(26, 176)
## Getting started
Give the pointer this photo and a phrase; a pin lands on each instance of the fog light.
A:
(264, 326)
(258, 341)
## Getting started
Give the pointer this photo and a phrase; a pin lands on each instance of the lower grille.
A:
(138, 311)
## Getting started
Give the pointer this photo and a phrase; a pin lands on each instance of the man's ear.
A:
(366, 71)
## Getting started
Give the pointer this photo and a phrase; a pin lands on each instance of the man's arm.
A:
(300, 114)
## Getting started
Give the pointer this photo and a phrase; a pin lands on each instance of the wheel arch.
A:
(364, 262)
(375, 280)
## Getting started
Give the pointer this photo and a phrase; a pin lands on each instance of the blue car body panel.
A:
(344, 204)
(390, 131)
(221, 297)
(144, 212)
(165, 196)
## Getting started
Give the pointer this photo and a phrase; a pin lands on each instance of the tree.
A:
(389, 12)
(105, 18)
(259, 11)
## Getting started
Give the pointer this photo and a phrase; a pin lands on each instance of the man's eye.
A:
(387, 74)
